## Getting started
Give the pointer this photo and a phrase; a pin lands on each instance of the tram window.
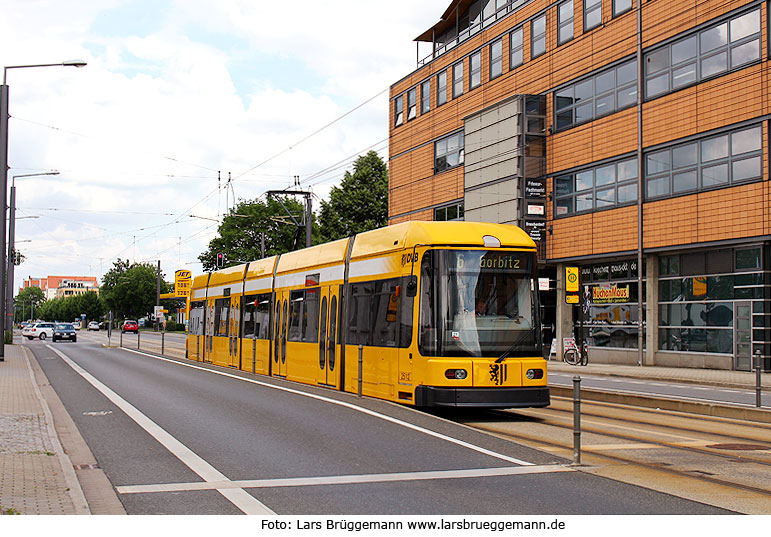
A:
(221, 312)
(385, 305)
(380, 315)
(256, 316)
(304, 316)
(197, 312)
(359, 314)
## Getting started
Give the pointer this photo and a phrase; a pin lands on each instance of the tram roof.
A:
(409, 234)
(323, 254)
(227, 275)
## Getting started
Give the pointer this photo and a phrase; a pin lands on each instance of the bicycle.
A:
(573, 356)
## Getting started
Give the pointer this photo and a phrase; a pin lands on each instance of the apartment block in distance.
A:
(630, 139)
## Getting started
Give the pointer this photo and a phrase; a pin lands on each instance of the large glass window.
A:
(457, 80)
(592, 14)
(621, 6)
(477, 303)
(496, 58)
(448, 152)
(602, 187)
(538, 36)
(399, 110)
(565, 22)
(380, 314)
(257, 316)
(221, 313)
(195, 323)
(602, 94)
(613, 319)
(441, 88)
(425, 97)
(304, 316)
(449, 212)
(516, 48)
(710, 52)
(712, 162)
(412, 104)
(475, 70)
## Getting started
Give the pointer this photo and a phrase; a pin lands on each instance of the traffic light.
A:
(220, 260)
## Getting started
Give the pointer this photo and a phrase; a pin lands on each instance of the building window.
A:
(602, 187)
(457, 80)
(713, 162)
(448, 152)
(565, 22)
(425, 97)
(475, 71)
(441, 88)
(621, 6)
(496, 58)
(538, 36)
(613, 314)
(592, 14)
(399, 110)
(449, 212)
(710, 52)
(516, 48)
(602, 94)
(412, 104)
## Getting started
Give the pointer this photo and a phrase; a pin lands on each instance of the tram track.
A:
(669, 451)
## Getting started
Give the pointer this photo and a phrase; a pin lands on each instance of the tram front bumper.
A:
(501, 397)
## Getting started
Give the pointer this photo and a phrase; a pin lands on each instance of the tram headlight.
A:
(534, 374)
(456, 374)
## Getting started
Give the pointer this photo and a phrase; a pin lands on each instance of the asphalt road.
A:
(177, 437)
(670, 390)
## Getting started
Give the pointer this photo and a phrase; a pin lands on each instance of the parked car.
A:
(130, 326)
(38, 330)
(65, 331)
(93, 325)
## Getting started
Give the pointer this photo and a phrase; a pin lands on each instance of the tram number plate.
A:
(405, 377)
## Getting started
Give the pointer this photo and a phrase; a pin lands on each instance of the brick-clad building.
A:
(622, 135)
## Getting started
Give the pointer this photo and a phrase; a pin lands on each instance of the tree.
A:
(129, 290)
(26, 299)
(360, 203)
(239, 234)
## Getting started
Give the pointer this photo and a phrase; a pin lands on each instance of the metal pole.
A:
(577, 419)
(163, 341)
(3, 188)
(308, 220)
(11, 242)
(262, 245)
(138, 331)
(758, 379)
(121, 338)
(157, 294)
(361, 366)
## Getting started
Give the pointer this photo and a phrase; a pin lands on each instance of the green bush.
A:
(172, 326)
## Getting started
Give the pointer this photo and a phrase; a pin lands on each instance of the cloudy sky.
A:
(176, 93)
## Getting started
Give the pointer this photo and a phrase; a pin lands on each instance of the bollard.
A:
(163, 342)
(138, 331)
(577, 420)
(361, 366)
(121, 338)
(758, 380)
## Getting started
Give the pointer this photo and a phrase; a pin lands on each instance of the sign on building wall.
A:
(610, 294)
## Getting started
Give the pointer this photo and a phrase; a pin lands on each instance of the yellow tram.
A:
(420, 313)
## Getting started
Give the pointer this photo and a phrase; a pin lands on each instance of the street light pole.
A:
(12, 247)
(4, 182)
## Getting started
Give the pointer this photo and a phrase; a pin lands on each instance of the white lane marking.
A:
(345, 479)
(239, 497)
(349, 406)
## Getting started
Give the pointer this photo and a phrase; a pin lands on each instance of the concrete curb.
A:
(760, 415)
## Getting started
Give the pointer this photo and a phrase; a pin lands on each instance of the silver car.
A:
(38, 330)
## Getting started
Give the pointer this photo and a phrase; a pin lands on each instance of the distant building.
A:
(63, 286)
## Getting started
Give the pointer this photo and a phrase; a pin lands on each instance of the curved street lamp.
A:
(4, 184)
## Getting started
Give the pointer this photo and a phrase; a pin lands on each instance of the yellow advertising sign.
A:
(610, 294)
(183, 280)
(571, 279)
(571, 299)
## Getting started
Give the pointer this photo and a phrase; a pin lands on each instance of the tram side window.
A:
(304, 316)
(256, 316)
(221, 312)
(197, 312)
(379, 314)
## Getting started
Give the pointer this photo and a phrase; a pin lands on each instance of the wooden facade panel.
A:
(671, 221)
(571, 237)
(614, 230)
(661, 21)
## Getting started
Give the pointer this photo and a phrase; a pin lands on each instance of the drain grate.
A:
(86, 466)
(739, 447)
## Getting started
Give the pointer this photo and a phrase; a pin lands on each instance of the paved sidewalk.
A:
(36, 476)
(707, 377)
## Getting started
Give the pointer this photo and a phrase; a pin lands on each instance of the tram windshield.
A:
(478, 303)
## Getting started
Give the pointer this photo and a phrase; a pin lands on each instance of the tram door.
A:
(234, 325)
(279, 334)
(329, 371)
(208, 345)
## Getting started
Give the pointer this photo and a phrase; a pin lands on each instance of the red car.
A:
(130, 326)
